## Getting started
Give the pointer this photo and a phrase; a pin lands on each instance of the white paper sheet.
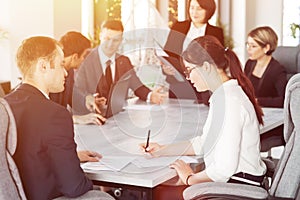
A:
(110, 163)
(162, 161)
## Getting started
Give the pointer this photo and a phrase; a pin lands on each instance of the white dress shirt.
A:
(230, 142)
(193, 33)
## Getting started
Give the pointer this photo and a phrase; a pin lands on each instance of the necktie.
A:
(108, 74)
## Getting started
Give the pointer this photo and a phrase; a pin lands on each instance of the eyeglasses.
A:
(188, 71)
(251, 46)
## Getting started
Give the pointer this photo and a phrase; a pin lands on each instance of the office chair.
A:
(286, 178)
(10, 184)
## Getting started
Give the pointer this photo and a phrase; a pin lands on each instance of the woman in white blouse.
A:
(230, 142)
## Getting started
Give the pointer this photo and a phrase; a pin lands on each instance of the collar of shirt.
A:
(193, 33)
(104, 59)
(46, 95)
(220, 91)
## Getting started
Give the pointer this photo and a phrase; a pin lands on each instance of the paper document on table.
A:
(109, 163)
(145, 107)
(162, 161)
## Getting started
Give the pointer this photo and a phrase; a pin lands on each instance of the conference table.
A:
(124, 164)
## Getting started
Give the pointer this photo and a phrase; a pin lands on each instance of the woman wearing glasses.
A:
(267, 75)
(230, 142)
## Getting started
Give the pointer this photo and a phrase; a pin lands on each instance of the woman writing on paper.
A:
(230, 142)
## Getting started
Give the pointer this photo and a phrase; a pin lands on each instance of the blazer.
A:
(90, 79)
(173, 48)
(46, 151)
(270, 88)
(64, 98)
(178, 33)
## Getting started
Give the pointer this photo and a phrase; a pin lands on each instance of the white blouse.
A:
(230, 142)
(193, 33)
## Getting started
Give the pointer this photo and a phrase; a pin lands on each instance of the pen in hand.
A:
(147, 143)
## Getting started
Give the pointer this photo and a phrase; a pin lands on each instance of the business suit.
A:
(64, 98)
(90, 79)
(46, 152)
(270, 88)
(174, 48)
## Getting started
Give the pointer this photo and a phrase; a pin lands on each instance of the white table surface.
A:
(171, 122)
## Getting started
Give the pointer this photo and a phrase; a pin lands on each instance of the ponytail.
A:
(237, 73)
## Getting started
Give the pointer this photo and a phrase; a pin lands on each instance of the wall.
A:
(248, 14)
(22, 19)
(66, 16)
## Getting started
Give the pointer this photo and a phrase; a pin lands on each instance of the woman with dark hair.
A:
(181, 34)
(230, 143)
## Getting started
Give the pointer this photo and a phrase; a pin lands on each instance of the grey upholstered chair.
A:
(289, 57)
(10, 183)
(286, 179)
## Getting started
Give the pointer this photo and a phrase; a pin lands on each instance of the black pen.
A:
(147, 143)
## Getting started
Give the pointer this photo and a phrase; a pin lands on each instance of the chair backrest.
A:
(289, 57)
(287, 174)
(1, 92)
(10, 184)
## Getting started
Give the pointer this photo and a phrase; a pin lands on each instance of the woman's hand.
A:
(88, 156)
(183, 170)
(152, 149)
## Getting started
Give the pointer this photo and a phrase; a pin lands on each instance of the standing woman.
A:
(182, 33)
(230, 143)
(267, 75)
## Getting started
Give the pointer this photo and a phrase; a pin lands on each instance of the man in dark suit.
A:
(181, 34)
(75, 47)
(46, 155)
(92, 80)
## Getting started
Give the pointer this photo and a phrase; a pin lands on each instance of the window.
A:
(291, 15)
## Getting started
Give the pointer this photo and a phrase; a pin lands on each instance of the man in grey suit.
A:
(92, 77)
(46, 156)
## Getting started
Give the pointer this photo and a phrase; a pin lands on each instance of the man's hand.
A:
(94, 102)
(168, 70)
(91, 118)
(88, 156)
(158, 96)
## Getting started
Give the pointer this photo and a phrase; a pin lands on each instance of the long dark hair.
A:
(208, 48)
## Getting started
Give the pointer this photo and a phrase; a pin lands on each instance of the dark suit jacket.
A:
(65, 97)
(178, 34)
(90, 79)
(174, 47)
(46, 152)
(270, 88)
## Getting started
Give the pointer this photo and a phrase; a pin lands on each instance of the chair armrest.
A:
(225, 190)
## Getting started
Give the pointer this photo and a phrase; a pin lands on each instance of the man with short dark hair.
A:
(75, 47)
(92, 77)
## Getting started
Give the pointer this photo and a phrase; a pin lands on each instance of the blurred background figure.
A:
(181, 34)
